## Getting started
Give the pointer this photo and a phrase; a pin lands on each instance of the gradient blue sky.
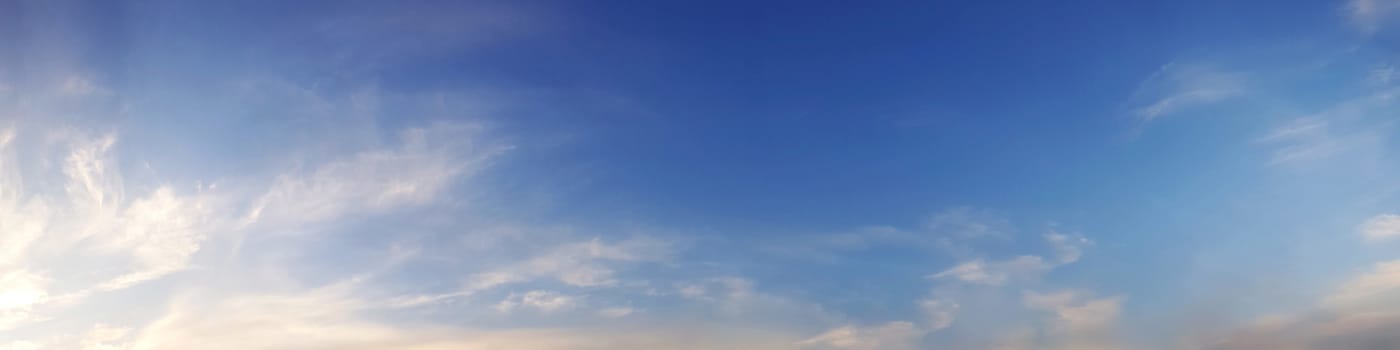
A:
(783, 175)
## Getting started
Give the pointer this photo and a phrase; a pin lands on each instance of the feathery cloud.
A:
(1178, 86)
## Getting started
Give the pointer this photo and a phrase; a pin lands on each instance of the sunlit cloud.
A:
(546, 176)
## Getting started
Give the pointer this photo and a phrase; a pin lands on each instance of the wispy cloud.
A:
(889, 336)
(953, 231)
(540, 300)
(1359, 313)
(143, 237)
(1079, 321)
(331, 318)
(1369, 15)
(413, 173)
(1178, 86)
(581, 264)
(1067, 249)
(1349, 126)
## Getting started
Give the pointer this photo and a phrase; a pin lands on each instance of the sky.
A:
(684, 175)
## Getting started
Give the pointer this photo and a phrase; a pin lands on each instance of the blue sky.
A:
(561, 175)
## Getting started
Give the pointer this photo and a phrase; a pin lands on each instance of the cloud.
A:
(1049, 301)
(1304, 138)
(938, 314)
(1068, 249)
(1176, 86)
(1369, 14)
(20, 292)
(51, 234)
(1362, 313)
(75, 227)
(152, 233)
(20, 345)
(79, 86)
(737, 298)
(1381, 227)
(540, 300)
(332, 318)
(321, 319)
(98, 217)
(969, 223)
(23, 219)
(162, 232)
(104, 337)
(1080, 321)
(159, 230)
(1384, 75)
(889, 336)
(1377, 288)
(996, 273)
(949, 231)
(1077, 319)
(1353, 126)
(616, 312)
(580, 264)
(1091, 315)
(414, 172)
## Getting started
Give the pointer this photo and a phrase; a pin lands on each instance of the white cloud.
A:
(330, 318)
(951, 231)
(938, 314)
(94, 186)
(1049, 301)
(23, 219)
(1176, 86)
(93, 218)
(1094, 314)
(1379, 287)
(1301, 127)
(79, 86)
(579, 264)
(20, 292)
(739, 300)
(1023, 338)
(1067, 248)
(1381, 227)
(540, 300)
(161, 232)
(1080, 321)
(1076, 312)
(616, 312)
(413, 173)
(1361, 313)
(1383, 75)
(1301, 140)
(20, 345)
(582, 264)
(969, 223)
(996, 273)
(889, 336)
(104, 337)
(78, 227)
(1369, 14)
(1350, 127)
